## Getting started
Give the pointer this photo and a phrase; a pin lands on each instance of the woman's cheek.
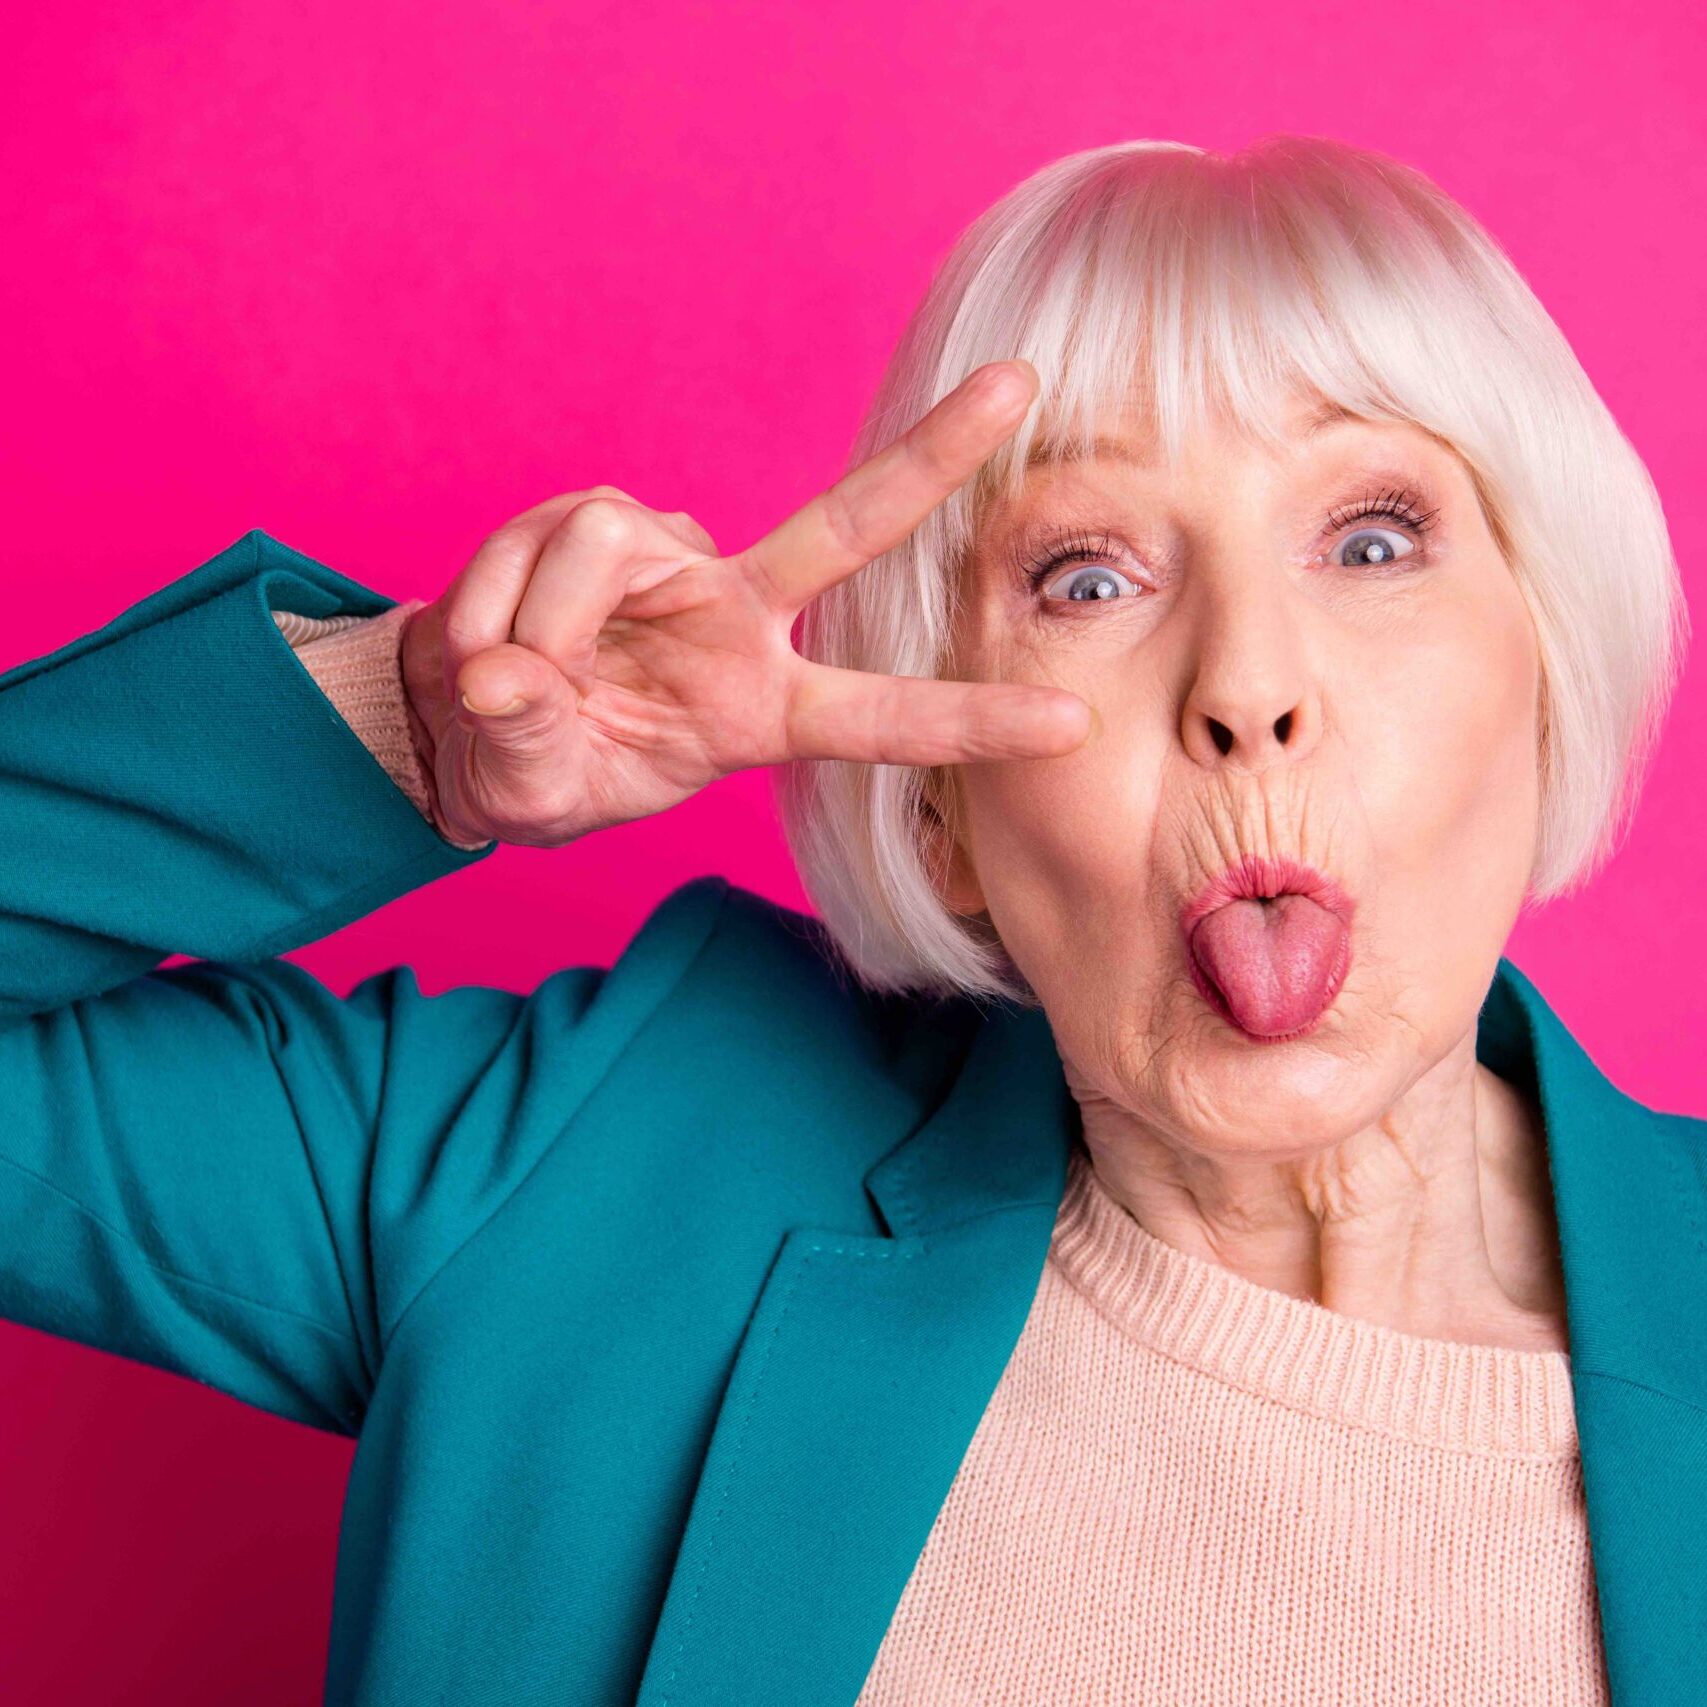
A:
(1073, 836)
(1446, 759)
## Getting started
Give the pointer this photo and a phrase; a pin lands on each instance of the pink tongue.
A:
(1273, 961)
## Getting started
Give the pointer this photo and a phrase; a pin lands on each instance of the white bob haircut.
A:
(1164, 278)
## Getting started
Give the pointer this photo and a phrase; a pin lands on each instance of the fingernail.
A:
(1003, 385)
(1011, 383)
(508, 710)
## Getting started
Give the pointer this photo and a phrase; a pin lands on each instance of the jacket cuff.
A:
(356, 662)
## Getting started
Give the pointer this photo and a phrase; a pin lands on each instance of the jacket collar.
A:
(1629, 1191)
(999, 1140)
(869, 1360)
(1630, 1183)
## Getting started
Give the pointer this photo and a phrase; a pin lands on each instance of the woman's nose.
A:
(1249, 737)
(1252, 701)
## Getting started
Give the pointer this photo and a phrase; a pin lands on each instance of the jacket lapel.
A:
(865, 1367)
(868, 1362)
(1630, 1189)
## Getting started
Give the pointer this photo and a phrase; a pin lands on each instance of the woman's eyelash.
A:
(1070, 548)
(1398, 504)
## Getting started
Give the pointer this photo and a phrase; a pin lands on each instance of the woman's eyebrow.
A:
(1099, 449)
(1104, 447)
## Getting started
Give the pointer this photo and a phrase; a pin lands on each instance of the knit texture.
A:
(356, 662)
(1189, 1488)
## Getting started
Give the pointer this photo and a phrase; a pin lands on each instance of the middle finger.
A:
(874, 508)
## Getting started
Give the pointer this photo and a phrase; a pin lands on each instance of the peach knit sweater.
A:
(1188, 1488)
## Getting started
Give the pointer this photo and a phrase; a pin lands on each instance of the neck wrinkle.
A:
(1491, 1400)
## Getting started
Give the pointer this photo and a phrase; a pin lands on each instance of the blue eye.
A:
(1075, 570)
(1374, 548)
(1091, 581)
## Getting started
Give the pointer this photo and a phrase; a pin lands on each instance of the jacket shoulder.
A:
(714, 952)
(754, 1026)
(724, 1080)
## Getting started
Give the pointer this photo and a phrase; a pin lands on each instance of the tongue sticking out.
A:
(1275, 963)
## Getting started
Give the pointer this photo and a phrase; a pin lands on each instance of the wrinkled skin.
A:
(1271, 678)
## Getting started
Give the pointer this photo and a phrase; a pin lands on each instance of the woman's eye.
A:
(1373, 548)
(1091, 581)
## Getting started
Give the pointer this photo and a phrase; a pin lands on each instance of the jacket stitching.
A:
(1643, 1387)
(166, 1269)
(747, 1406)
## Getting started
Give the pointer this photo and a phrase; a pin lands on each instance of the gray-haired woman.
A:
(1143, 1242)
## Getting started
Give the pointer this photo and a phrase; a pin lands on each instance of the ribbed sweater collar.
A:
(1470, 1398)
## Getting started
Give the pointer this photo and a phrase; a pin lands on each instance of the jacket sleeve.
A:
(220, 1168)
(356, 661)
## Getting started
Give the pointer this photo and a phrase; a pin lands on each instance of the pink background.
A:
(375, 277)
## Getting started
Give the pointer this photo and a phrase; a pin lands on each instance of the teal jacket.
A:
(662, 1301)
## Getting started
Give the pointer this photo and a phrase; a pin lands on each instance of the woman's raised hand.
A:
(598, 661)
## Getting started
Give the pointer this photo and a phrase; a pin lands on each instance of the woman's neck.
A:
(1437, 1219)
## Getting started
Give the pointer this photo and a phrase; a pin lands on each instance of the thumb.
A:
(517, 701)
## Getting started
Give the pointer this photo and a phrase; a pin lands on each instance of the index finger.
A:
(878, 504)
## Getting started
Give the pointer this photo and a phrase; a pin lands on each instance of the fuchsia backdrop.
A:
(377, 277)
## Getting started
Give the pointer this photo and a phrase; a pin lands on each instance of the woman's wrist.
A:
(357, 664)
(419, 674)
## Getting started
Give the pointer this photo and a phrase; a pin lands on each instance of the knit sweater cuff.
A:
(357, 663)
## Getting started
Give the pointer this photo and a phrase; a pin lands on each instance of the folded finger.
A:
(599, 553)
(480, 604)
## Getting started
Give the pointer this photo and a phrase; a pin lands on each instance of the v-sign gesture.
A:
(637, 665)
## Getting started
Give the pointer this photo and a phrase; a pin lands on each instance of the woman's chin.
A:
(1233, 1095)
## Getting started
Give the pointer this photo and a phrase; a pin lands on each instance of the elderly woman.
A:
(1141, 1241)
